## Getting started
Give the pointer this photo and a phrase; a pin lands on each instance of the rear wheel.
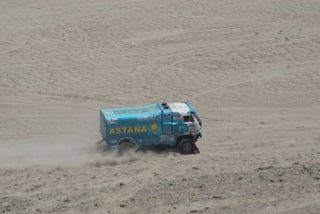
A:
(186, 146)
(126, 145)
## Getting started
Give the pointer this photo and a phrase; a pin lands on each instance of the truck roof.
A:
(182, 108)
(129, 111)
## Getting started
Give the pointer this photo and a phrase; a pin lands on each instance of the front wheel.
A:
(186, 146)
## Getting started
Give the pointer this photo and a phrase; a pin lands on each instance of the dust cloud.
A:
(67, 152)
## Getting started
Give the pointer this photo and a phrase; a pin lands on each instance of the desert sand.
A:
(250, 67)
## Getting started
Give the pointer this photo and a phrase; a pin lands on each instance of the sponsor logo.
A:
(112, 121)
(154, 127)
(128, 130)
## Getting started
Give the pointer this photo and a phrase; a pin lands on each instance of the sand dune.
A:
(251, 68)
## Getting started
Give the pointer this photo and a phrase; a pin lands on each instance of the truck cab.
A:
(172, 124)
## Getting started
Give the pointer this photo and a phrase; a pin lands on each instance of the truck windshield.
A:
(198, 119)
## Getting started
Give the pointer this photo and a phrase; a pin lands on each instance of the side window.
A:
(188, 118)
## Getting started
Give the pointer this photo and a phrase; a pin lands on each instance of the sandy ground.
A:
(250, 67)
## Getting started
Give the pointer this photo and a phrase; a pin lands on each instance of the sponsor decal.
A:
(128, 130)
(154, 127)
(177, 117)
(112, 121)
(133, 111)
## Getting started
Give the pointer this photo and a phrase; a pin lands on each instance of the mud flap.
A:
(196, 149)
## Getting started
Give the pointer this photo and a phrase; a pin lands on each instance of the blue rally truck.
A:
(171, 124)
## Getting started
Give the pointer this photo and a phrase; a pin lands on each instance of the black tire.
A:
(126, 145)
(186, 146)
